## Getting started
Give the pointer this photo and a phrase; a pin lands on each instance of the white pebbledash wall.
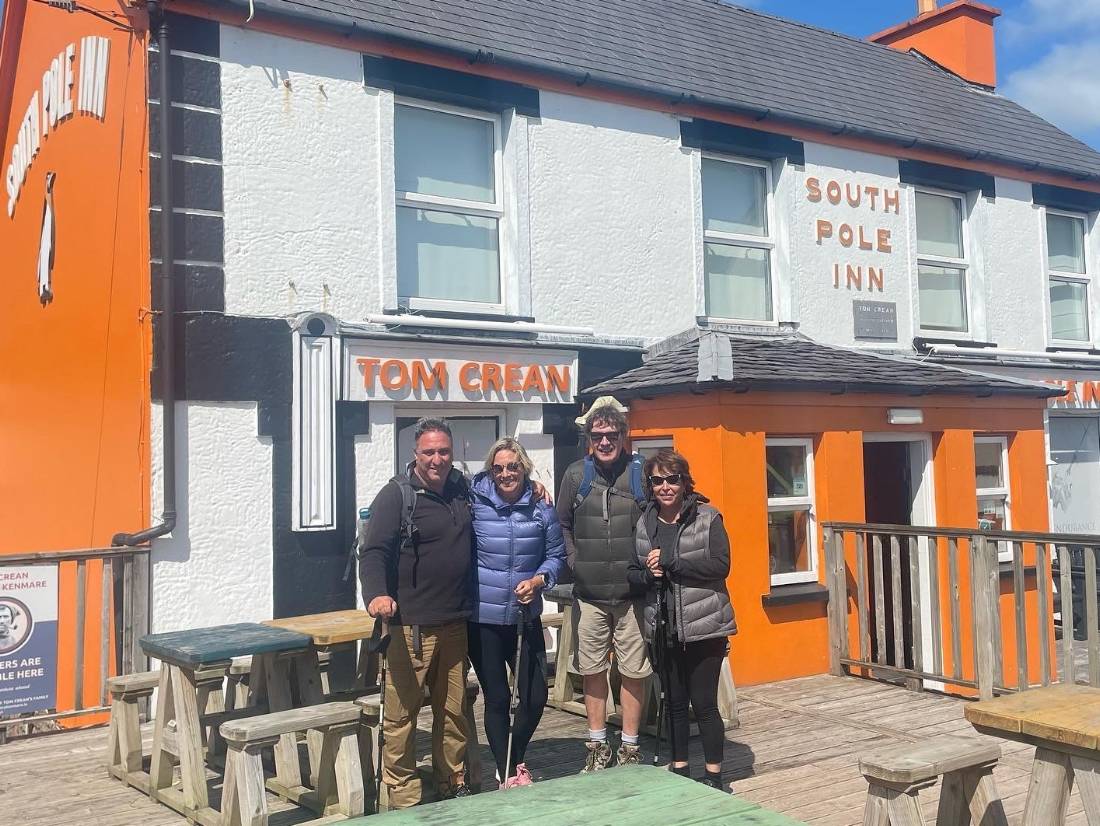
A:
(611, 219)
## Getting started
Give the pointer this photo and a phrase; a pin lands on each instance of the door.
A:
(472, 435)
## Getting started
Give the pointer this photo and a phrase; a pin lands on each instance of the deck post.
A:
(984, 593)
(838, 600)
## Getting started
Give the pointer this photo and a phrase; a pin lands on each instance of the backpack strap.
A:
(637, 488)
(587, 478)
(407, 532)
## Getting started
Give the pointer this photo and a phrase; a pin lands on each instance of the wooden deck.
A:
(796, 752)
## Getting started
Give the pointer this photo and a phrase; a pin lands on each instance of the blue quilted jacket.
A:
(514, 542)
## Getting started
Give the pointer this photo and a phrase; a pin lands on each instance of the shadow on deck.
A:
(796, 752)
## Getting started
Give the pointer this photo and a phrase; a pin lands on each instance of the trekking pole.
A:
(659, 654)
(377, 644)
(513, 707)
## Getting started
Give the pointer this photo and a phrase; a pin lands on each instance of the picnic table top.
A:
(638, 795)
(196, 647)
(1057, 714)
(331, 628)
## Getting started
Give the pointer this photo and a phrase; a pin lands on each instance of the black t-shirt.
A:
(666, 540)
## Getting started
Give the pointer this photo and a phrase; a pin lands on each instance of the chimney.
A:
(958, 36)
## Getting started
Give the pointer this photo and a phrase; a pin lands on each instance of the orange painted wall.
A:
(723, 436)
(74, 395)
(958, 36)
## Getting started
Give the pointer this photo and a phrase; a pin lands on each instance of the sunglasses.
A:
(612, 437)
(671, 479)
(511, 467)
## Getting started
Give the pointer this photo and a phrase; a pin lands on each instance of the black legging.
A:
(693, 672)
(493, 653)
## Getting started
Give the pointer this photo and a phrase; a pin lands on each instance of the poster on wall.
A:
(28, 639)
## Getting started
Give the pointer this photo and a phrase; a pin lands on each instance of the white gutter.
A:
(954, 349)
(408, 320)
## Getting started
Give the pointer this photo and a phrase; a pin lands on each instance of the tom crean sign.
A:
(403, 373)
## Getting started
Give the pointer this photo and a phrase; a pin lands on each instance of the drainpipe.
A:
(158, 19)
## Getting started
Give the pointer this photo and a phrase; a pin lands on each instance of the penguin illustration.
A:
(46, 245)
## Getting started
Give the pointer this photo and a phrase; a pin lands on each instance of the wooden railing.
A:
(103, 610)
(953, 606)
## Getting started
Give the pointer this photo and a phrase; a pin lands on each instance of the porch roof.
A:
(702, 361)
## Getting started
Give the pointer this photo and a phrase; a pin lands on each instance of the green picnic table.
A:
(638, 795)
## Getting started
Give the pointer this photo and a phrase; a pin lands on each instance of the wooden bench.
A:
(124, 755)
(339, 791)
(896, 774)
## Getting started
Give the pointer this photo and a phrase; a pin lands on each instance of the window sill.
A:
(922, 342)
(1083, 348)
(462, 314)
(795, 594)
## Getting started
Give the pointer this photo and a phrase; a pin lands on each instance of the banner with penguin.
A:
(28, 639)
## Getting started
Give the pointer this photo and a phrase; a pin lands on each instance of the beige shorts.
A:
(598, 628)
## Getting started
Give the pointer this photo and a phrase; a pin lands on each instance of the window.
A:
(737, 240)
(449, 207)
(792, 556)
(648, 447)
(991, 479)
(1067, 277)
(472, 436)
(941, 262)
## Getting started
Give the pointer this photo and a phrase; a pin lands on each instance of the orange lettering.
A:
(370, 366)
(855, 276)
(533, 379)
(1091, 394)
(491, 378)
(558, 381)
(874, 279)
(872, 193)
(824, 229)
(848, 194)
(836, 276)
(391, 382)
(883, 241)
(425, 379)
(1071, 392)
(864, 244)
(891, 197)
(845, 235)
(813, 190)
(468, 377)
(832, 192)
(512, 382)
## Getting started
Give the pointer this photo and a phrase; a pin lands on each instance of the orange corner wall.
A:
(723, 434)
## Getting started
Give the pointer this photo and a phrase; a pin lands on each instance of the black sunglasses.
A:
(511, 467)
(671, 479)
(612, 437)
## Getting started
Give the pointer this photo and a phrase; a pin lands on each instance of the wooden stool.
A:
(124, 757)
(895, 774)
(339, 793)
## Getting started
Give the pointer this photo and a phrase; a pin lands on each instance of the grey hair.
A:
(508, 443)
(427, 425)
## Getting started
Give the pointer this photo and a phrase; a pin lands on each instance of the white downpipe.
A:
(954, 349)
(408, 320)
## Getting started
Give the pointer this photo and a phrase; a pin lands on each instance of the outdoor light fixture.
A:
(904, 415)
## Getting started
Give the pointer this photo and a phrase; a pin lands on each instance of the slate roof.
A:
(726, 56)
(798, 363)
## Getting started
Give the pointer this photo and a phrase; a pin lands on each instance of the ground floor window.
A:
(472, 435)
(1074, 473)
(649, 447)
(991, 479)
(792, 555)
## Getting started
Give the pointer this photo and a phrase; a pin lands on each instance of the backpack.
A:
(637, 489)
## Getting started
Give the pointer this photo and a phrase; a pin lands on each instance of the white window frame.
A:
(786, 503)
(474, 411)
(737, 239)
(1084, 278)
(943, 261)
(1004, 551)
(461, 206)
(647, 442)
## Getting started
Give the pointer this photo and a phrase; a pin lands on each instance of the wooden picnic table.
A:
(182, 654)
(1063, 723)
(638, 795)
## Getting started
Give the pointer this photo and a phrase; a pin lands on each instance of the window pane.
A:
(942, 298)
(1075, 476)
(1069, 315)
(991, 513)
(734, 198)
(786, 470)
(437, 153)
(789, 541)
(987, 463)
(1065, 243)
(738, 282)
(939, 226)
(447, 255)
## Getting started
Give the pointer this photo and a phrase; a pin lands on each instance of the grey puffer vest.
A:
(702, 607)
(603, 532)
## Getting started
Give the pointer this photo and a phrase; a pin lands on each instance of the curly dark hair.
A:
(669, 461)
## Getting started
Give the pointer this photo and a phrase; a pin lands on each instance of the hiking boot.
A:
(522, 777)
(712, 782)
(599, 756)
(457, 790)
(629, 755)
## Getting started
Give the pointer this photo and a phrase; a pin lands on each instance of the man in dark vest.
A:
(598, 505)
(416, 573)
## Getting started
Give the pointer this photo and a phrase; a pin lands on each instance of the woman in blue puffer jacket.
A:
(520, 551)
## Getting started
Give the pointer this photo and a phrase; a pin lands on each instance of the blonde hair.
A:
(508, 443)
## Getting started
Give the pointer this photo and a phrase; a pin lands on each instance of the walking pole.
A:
(377, 644)
(660, 655)
(521, 621)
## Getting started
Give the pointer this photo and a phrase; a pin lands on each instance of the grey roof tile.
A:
(798, 363)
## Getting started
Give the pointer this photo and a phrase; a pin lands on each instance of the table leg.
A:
(189, 738)
(1048, 795)
(1086, 773)
(288, 771)
(308, 673)
(160, 767)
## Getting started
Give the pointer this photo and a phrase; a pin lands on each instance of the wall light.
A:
(904, 415)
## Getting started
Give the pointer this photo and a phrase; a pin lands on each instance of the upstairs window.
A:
(941, 262)
(737, 240)
(1067, 277)
(447, 166)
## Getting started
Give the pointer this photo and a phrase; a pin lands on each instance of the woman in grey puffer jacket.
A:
(682, 548)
